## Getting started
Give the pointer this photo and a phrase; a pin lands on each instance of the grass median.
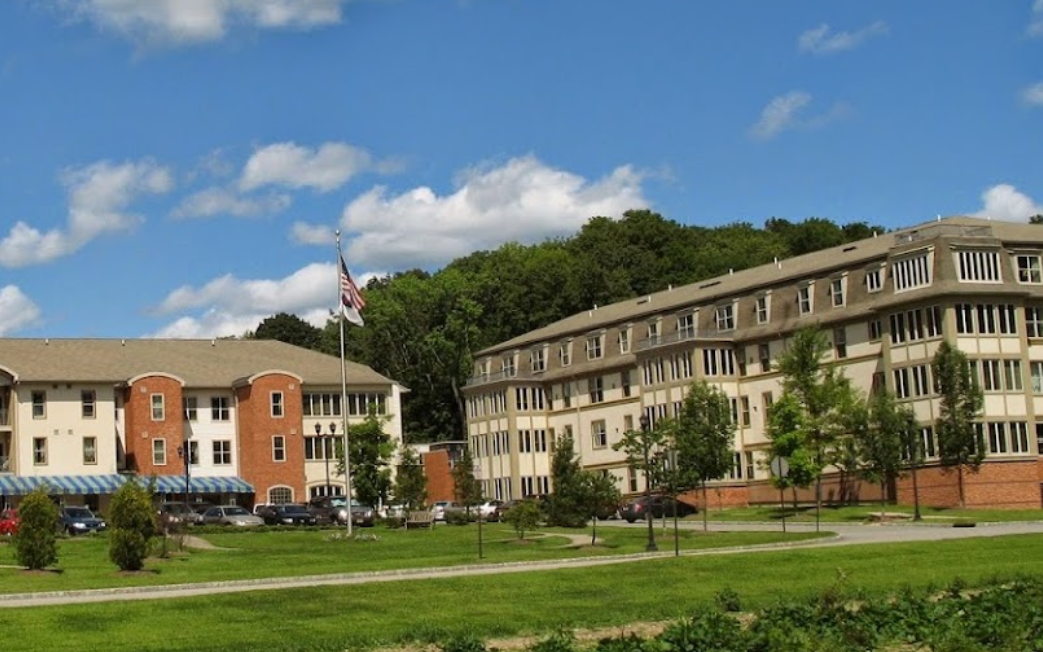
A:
(368, 616)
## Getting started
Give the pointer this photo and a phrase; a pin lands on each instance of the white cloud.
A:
(1005, 202)
(522, 200)
(222, 201)
(1033, 94)
(99, 195)
(780, 114)
(286, 164)
(17, 311)
(823, 40)
(183, 22)
(1035, 27)
(231, 306)
(311, 234)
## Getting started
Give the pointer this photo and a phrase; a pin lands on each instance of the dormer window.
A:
(978, 266)
(836, 291)
(565, 353)
(538, 359)
(686, 326)
(624, 340)
(594, 347)
(762, 308)
(725, 317)
(653, 332)
(507, 366)
(1029, 268)
(805, 299)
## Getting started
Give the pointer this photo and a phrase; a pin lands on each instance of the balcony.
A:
(662, 340)
(489, 378)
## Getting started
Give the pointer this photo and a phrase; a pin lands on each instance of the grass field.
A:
(867, 511)
(373, 615)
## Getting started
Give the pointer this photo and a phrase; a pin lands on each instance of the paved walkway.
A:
(845, 535)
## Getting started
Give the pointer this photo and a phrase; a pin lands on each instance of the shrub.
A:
(728, 600)
(133, 526)
(35, 541)
(463, 643)
(457, 517)
(524, 517)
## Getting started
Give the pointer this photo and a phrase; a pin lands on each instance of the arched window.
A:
(280, 495)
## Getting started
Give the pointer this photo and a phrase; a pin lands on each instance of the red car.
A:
(9, 522)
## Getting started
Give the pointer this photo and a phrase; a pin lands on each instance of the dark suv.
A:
(286, 514)
(79, 520)
(658, 506)
(334, 509)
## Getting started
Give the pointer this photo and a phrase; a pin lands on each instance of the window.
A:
(222, 452)
(763, 309)
(624, 340)
(565, 354)
(322, 405)
(278, 448)
(804, 299)
(1036, 371)
(363, 402)
(750, 466)
(90, 450)
(278, 409)
(624, 382)
(686, 326)
(764, 352)
(507, 366)
(566, 394)
(836, 291)
(1034, 321)
(598, 434)
(1029, 270)
(1019, 437)
(653, 332)
(39, 405)
(997, 437)
(912, 272)
(159, 452)
(39, 451)
(158, 407)
(998, 375)
(744, 411)
(875, 279)
(978, 266)
(928, 445)
(280, 495)
(875, 330)
(521, 398)
(88, 404)
(538, 359)
(840, 342)
(767, 400)
(190, 406)
(193, 452)
(898, 328)
(219, 408)
(597, 390)
(725, 317)
(594, 347)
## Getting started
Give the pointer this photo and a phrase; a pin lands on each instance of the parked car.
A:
(490, 510)
(440, 507)
(286, 514)
(639, 508)
(230, 515)
(335, 509)
(172, 514)
(9, 522)
(75, 520)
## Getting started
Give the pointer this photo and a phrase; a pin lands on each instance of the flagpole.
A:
(343, 387)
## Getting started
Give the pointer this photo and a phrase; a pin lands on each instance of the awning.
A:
(77, 485)
(175, 484)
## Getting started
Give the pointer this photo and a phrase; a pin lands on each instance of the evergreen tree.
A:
(959, 444)
(35, 543)
(565, 506)
(133, 521)
(466, 488)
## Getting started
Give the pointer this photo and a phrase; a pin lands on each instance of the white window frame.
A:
(724, 316)
(88, 403)
(806, 298)
(159, 452)
(598, 434)
(565, 353)
(158, 407)
(686, 326)
(538, 359)
(595, 346)
(838, 291)
(222, 450)
(190, 407)
(875, 278)
(912, 271)
(90, 460)
(624, 340)
(278, 405)
(978, 265)
(1029, 268)
(278, 448)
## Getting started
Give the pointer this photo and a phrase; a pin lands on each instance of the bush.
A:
(728, 600)
(133, 526)
(524, 517)
(36, 540)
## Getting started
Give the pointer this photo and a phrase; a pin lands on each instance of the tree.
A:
(466, 488)
(133, 521)
(371, 449)
(640, 447)
(566, 505)
(410, 488)
(787, 430)
(703, 438)
(289, 328)
(35, 543)
(882, 444)
(959, 444)
(600, 498)
(524, 517)
(823, 396)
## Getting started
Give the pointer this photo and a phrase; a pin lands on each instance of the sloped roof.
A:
(199, 363)
(788, 270)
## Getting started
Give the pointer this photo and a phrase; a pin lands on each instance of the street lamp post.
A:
(645, 445)
(327, 441)
(184, 452)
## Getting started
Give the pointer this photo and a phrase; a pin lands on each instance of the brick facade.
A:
(259, 427)
(142, 430)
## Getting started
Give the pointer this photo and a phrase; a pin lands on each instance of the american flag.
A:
(351, 299)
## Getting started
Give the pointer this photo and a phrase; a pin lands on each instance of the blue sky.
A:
(177, 168)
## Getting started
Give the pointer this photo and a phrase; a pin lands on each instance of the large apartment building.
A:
(240, 421)
(886, 304)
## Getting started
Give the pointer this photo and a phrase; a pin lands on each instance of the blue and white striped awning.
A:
(175, 484)
(78, 485)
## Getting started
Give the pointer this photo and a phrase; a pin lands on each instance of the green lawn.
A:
(866, 511)
(83, 562)
(370, 615)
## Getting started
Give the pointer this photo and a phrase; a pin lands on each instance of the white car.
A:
(439, 508)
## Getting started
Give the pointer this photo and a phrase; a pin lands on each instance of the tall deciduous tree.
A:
(960, 402)
(882, 443)
(600, 498)
(410, 488)
(290, 329)
(371, 449)
(703, 438)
